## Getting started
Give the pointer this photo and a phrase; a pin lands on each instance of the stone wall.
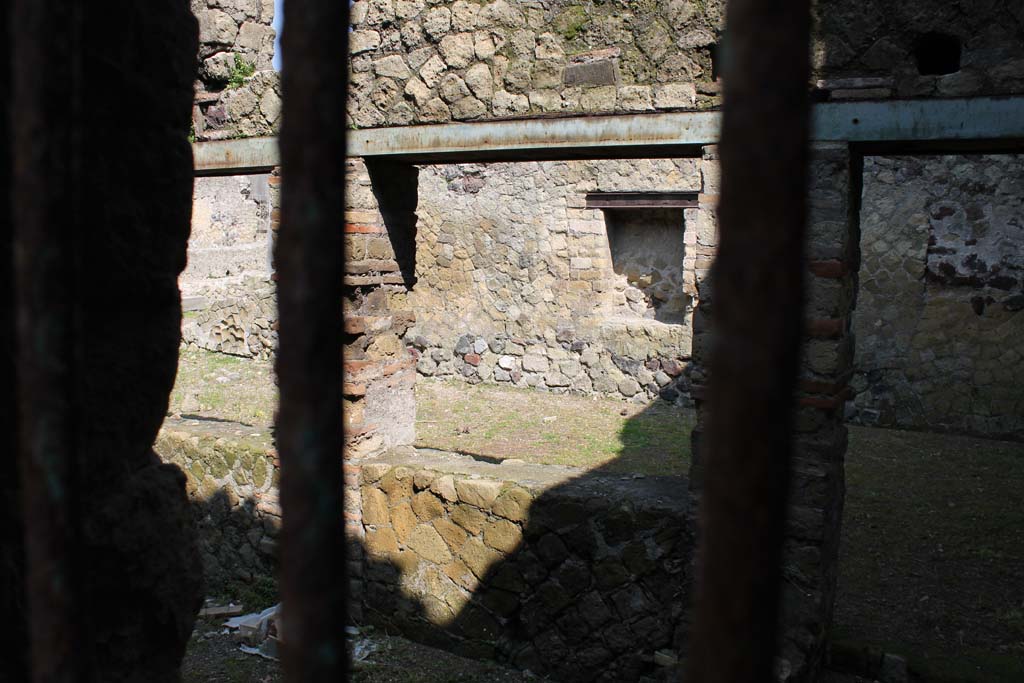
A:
(230, 237)
(429, 62)
(876, 49)
(227, 292)
(240, 320)
(817, 488)
(517, 283)
(379, 406)
(238, 91)
(581, 576)
(940, 333)
(232, 476)
(432, 61)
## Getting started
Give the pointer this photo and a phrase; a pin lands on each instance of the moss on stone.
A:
(259, 472)
(219, 467)
(571, 22)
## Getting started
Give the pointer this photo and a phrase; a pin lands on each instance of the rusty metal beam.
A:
(235, 157)
(633, 135)
(997, 122)
(953, 125)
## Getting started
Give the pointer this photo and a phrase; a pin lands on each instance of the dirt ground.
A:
(932, 552)
(213, 657)
(933, 535)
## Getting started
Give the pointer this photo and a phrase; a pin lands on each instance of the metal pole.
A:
(310, 266)
(47, 80)
(757, 315)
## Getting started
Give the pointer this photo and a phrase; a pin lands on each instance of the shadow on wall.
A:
(231, 481)
(578, 576)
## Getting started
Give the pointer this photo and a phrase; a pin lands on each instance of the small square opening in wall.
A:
(937, 53)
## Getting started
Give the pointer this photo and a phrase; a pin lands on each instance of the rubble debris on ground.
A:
(258, 633)
(360, 646)
(210, 609)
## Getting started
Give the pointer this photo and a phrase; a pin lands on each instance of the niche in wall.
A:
(645, 237)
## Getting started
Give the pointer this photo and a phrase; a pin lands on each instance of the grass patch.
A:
(225, 387)
(502, 422)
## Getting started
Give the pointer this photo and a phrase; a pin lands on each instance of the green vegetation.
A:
(240, 71)
(225, 387)
(256, 595)
(571, 22)
(501, 422)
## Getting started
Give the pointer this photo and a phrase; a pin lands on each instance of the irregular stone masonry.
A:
(379, 406)
(417, 62)
(231, 479)
(573, 574)
(940, 332)
(228, 296)
(230, 236)
(420, 62)
(240, 320)
(239, 92)
(516, 283)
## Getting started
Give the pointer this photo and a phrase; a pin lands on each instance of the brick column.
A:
(818, 486)
(818, 482)
(379, 370)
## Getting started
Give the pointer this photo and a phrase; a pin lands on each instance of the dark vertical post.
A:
(13, 652)
(310, 267)
(758, 284)
(101, 206)
(48, 33)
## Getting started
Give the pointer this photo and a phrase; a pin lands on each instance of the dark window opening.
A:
(937, 54)
(716, 60)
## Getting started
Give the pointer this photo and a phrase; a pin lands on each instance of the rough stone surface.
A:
(940, 313)
(593, 56)
(230, 235)
(548, 594)
(576, 299)
(231, 480)
(236, 47)
(478, 492)
(565, 55)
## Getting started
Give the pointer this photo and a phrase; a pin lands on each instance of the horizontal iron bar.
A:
(983, 123)
(666, 134)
